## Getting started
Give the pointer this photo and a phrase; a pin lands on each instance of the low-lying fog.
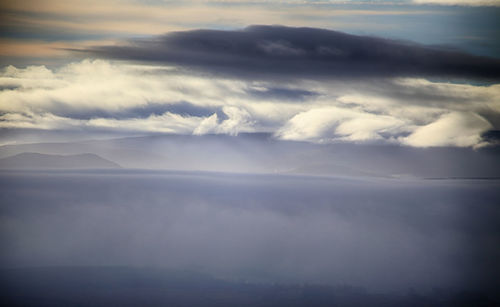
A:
(382, 234)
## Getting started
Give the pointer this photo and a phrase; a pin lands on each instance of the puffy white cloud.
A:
(330, 123)
(453, 129)
(238, 120)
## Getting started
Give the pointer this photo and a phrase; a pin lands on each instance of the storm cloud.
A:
(278, 51)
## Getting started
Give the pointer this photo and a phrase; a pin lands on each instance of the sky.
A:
(297, 141)
(412, 73)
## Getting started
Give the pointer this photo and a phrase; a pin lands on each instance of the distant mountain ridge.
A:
(262, 153)
(32, 160)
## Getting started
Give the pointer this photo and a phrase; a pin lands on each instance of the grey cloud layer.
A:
(271, 51)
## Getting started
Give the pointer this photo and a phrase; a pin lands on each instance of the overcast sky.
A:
(415, 73)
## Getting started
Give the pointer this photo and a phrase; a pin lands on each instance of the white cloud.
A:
(102, 85)
(208, 125)
(167, 123)
(330, 123)
(116, 96)
(453, 129)
(238, 120)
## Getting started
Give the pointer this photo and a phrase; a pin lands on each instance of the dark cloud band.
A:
(277, 51)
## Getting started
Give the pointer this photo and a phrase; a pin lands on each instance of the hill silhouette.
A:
(31, 160)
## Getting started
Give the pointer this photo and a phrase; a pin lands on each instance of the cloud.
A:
(330, 123)
(117, 97)
(43, 31)
(102, 89)
(208, 125)
(277, 51)
(237, 120)
(453, 129)
(165, 123)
